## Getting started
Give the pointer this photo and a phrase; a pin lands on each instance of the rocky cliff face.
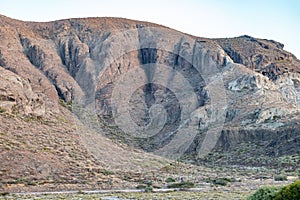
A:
(166, 92)
(17, 95)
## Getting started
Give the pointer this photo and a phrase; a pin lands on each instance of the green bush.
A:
(141, 186)
(265, 193)
(280, 178)
(170, 180)
(146, 188)
(289, 192)
(4, 193)
(2, 110)
(229, 179)
(186, 184)
(221, 182)
(149, 189)
(106, 172)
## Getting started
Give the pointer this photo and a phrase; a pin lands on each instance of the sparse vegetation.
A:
(65, 104)
(177, 195)
(20, 180)
(148, 187)
(243, 153)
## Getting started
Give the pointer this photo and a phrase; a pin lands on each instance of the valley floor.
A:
(231, 191)
(124, 196)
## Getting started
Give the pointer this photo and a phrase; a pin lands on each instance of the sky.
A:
(269, 19)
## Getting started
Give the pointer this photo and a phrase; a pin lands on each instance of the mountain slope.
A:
(145, 85)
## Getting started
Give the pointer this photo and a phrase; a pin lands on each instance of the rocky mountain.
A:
(122, 86)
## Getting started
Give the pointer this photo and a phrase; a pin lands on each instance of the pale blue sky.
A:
(271, 19)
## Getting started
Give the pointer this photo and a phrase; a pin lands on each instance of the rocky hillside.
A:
(147, 87)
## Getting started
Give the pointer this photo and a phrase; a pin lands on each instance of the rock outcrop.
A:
(16, 95)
